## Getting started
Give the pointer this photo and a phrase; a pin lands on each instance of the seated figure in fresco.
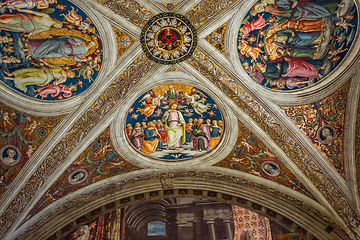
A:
(174, 126)
(291, 67)
(296, 9)
(296, 52)
(215, 132)
(288, 38)
(189, 130)
(201, 136)
(29, 4)
(28, 24)
(59, 46)
(161, 129)
(38, 76)
(304, 25)
(129, 129)
(152, 139)
(290, 83)
(172, 94)
(136, 136)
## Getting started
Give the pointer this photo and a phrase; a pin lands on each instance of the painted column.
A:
(211, 229)
(229, 233)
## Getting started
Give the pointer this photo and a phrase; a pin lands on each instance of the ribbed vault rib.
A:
(350, 132)
(294, 131)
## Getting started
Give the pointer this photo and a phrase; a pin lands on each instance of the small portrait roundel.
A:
(270, 168)
(49, 50)
(168, 38)
(289, 45)
(173, 122)
(326, 134)
(78, 176)
(10, 155)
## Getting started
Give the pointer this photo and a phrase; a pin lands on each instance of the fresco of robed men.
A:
(291, 44)
(174, 121)
(48, 50)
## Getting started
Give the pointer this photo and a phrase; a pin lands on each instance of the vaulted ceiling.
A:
(316, 189)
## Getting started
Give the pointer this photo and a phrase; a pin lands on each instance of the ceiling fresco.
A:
(288, 45)
(323, 122)
(251, 155)
(179, 101)
(20, 135)
(49, 51)
(174, 122)
(98, 162)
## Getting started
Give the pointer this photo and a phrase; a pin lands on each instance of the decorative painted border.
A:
(161, 15)
(88, 204)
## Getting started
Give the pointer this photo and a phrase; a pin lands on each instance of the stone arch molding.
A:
(38, 107)
(267, 199)
(315, 92)
(128, 152)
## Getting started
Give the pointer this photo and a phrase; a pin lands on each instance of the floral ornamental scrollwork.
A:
(205, 10)
(130, 10)
(210, 70)
(84, 124)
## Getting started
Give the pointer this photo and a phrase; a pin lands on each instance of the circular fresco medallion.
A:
(289, 45)
(326, 134)
(78, 176)
(10, 155)
(168, 38)
(54, 54)
(270, 168)
(173, 122)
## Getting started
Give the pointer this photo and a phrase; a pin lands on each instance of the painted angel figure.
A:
(28, 4)
(28, 24)
(55, 90)
(198, 106)
(38, 76)
(255, 24)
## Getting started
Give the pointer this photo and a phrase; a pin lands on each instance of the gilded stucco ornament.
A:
(168, 38)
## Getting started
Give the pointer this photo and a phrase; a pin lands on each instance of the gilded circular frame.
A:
(190, 32)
